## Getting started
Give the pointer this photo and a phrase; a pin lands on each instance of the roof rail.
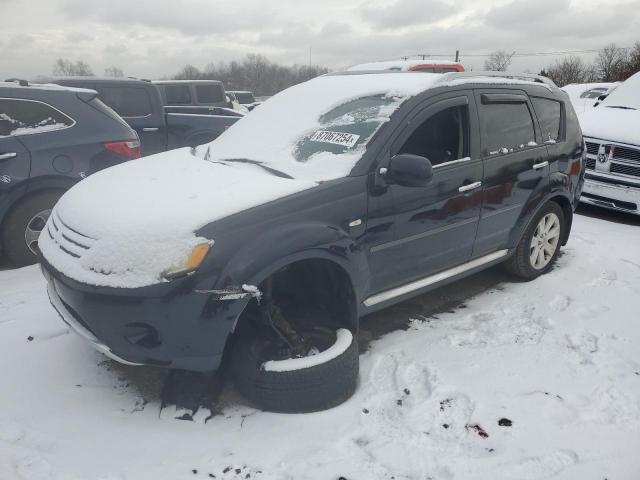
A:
(532, 77)
(19, 81)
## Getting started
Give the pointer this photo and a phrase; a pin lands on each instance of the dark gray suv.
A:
(50, 138)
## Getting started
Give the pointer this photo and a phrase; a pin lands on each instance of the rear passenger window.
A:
(506, 127)
(177, 94)
(210, 93)
(24, 117)
(549, 114)
(126, 101)
(441, 138)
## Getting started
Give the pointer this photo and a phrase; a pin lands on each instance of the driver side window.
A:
(442, 138)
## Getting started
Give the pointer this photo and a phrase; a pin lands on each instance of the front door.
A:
(435, 225)
(516, 168)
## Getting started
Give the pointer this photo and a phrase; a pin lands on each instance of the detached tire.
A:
(540, 244)
(23, 222)
(310, 389)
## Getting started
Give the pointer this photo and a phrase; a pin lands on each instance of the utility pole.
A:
(457, 55)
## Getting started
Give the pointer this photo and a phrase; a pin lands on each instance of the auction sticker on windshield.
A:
(337, 138)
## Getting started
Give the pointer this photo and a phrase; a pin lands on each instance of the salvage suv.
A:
(336, 198)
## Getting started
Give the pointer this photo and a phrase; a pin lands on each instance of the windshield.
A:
(627, 95)
(245, 97)
(318, 130)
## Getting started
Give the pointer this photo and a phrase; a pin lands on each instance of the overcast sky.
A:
(154, 38)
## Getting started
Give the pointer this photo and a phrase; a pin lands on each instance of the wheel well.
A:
(21, 199)
(567, 210)
(316, 291)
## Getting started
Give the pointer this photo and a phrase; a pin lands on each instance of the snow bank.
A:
(140, 216)
(270, 134)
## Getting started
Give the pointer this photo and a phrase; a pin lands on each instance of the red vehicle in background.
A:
(426, 65)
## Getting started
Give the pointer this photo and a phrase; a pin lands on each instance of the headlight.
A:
(193, 261)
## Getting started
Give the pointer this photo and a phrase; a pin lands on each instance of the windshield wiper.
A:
(272, 171)
(621, 106)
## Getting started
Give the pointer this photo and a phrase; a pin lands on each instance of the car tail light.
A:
(126, 149)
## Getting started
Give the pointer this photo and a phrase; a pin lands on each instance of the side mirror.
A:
(409, 170)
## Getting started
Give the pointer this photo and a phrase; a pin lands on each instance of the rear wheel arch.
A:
(567, 210)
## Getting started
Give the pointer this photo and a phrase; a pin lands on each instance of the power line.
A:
(517, 54)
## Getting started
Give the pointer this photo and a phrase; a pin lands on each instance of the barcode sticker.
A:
(336, 138)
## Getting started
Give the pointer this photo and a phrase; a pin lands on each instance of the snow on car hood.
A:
(612, 124)
(138, 219)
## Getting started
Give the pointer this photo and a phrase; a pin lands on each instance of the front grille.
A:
(590, 163)
(626, 153)
(67, 239)
(592, 148)
(625, 169)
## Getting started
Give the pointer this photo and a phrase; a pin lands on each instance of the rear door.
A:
(516, 168)
(141, 108)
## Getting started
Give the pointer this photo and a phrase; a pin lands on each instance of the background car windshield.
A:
(244, 97)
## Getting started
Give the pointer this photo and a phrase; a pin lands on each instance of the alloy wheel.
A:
(545, 241)
(34, 229)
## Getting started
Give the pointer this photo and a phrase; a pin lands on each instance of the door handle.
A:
(471, 186)
(7, 156)
(538, 166)
(150, 129)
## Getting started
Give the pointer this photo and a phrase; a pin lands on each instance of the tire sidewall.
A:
(297, 391)
(14, 226)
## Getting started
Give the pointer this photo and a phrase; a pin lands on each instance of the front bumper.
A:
(168, 325)
(607, 194)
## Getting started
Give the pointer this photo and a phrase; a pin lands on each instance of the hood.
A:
(612, 124)
(126, 225)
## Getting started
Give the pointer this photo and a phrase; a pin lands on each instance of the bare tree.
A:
(569, 70)
(65, 67)
(188, 72)
(255, 73)
(498, 61)
(633, 61)
(611, 63)
(113, 71)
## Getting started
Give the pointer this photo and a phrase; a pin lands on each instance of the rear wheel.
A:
(23, 226)
(540, 245)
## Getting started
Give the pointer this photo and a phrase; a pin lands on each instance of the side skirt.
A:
(434, 279)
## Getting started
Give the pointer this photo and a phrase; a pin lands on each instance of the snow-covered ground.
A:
(557, 359)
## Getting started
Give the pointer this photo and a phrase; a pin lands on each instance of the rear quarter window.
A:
(210, 93)
(24, 117)
(549, 114)
(126, 101)
(177, 94)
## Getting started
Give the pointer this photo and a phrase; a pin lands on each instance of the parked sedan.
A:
(51, 137)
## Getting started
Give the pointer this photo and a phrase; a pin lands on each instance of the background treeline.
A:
(254, 73)
(263, 77)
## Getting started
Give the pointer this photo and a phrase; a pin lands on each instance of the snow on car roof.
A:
(45, 86)
(626, 95)
(402, 65)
